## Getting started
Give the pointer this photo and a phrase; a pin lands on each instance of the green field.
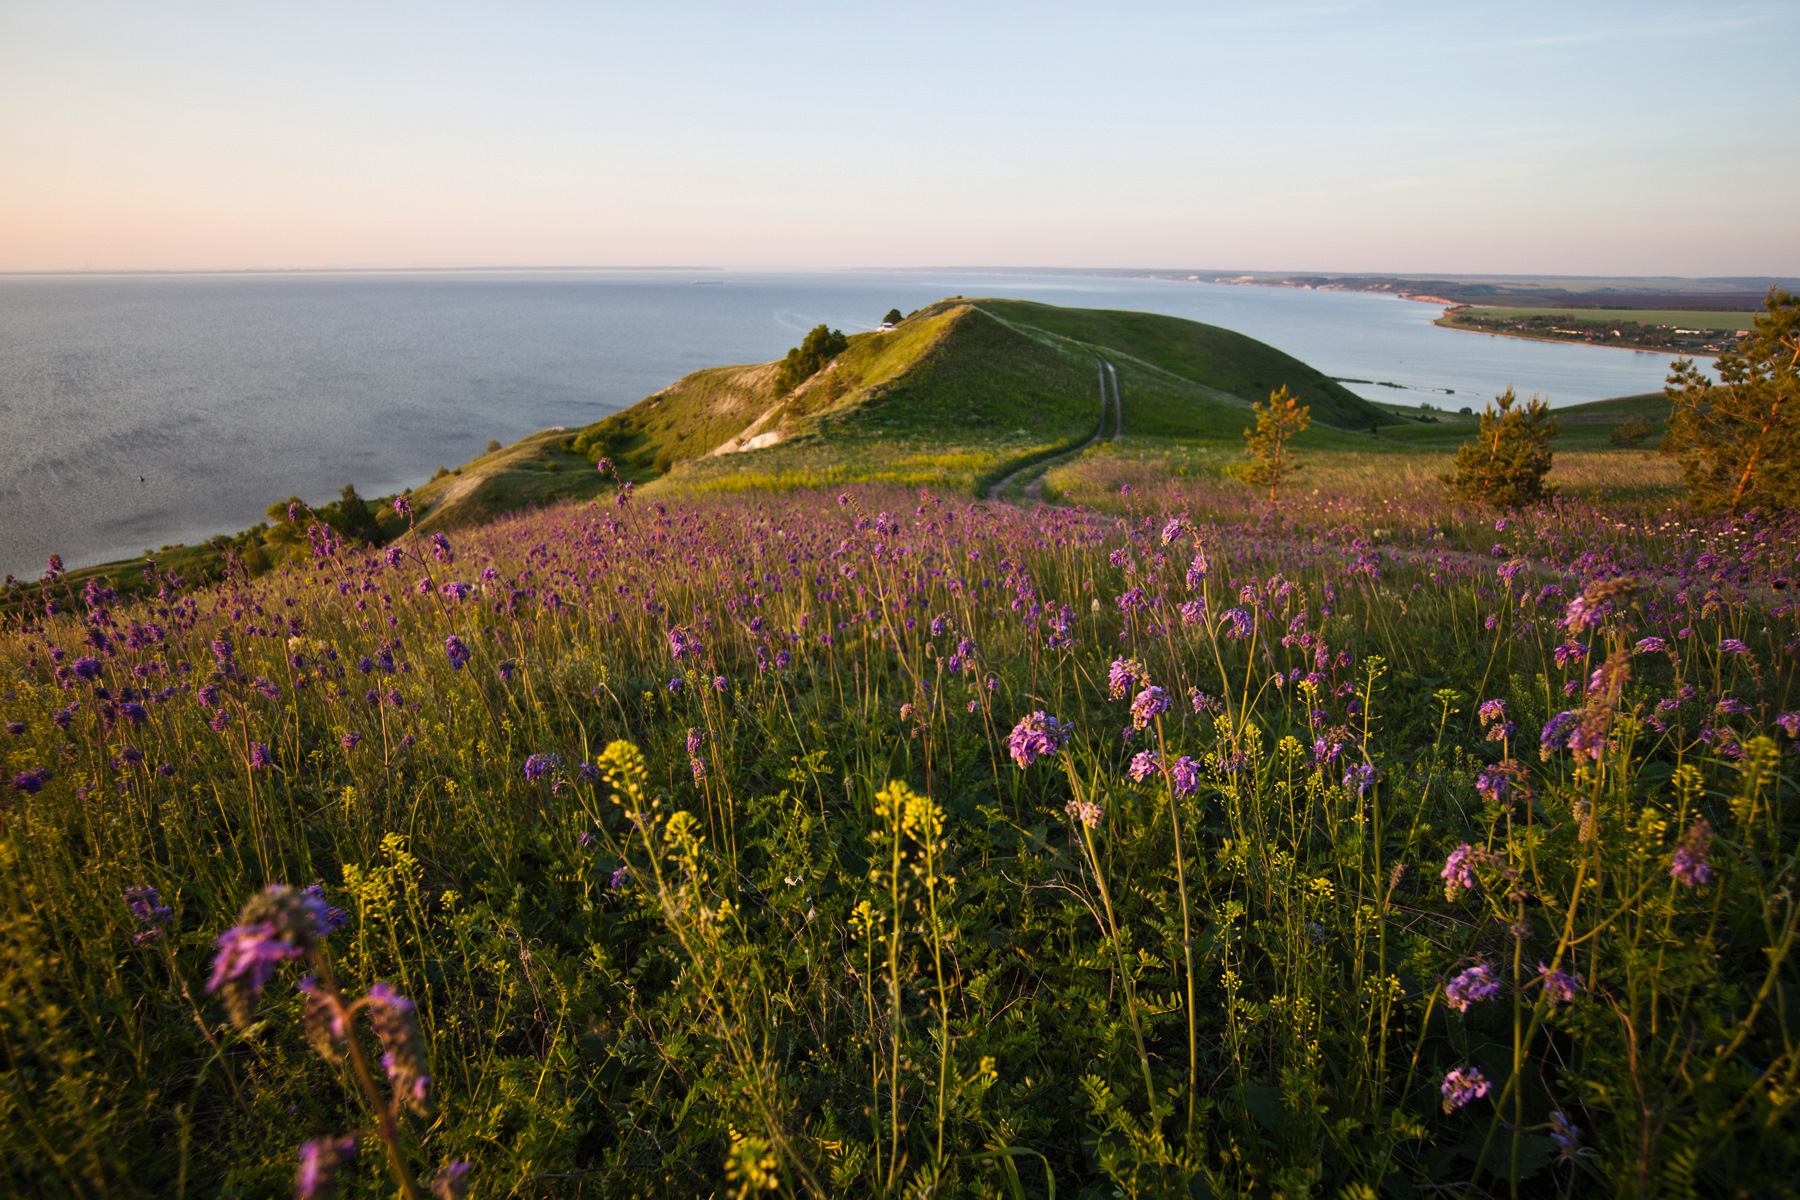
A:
(1670, 317)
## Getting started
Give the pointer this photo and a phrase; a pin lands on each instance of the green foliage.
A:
(354, 519)
(1632, 432)
(493, 446)
(1507, 461)
(1270, 444)
(1738, 440)
(819, 347)
(893, 317)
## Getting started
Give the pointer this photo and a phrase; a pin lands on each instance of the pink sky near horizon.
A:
(1608, 140)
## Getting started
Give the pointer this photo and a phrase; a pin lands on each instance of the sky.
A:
(1590, 138)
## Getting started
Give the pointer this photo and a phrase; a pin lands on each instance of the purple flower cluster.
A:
(1459, 873)
(1037, 736)
(1688, 865)
(147, 908)
(1560, 986)
(320, 1161)
(1123, 675)
(1475, 984)
(537, 766)
(277, 925)
(1460, 1087)
(1147, 705)
(396, 1025)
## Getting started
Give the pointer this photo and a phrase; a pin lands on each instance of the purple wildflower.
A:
(320, 1161)
(334, 918)
(1565, 1134)
(1790, 721)
(585, 838)
(540, 765)
(440, 549)
(620, 878)
(87, 668)
(349, 740)
(456, 652)
(1147, 705)
(403, 506)
(1184, 775)
(1688, 865)
(1558, 731)
(451, 1182)
(1460, 1087)
(1651, 645)
(1733, 646)
(1458, 875)
(277, 925)
(675, 685)
(1144, 764)
(1123, 675)
(1037, 736)
(1560, 986)
(32, 781)
(17, 728)
(146, 906)
(396, 1024)
(684, 645)
(1360, 778)
(1475, 984)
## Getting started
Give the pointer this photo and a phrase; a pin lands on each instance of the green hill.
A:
(969, 372)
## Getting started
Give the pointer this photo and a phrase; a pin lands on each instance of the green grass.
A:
(1676, 318)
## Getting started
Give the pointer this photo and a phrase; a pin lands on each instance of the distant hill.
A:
(961, 371)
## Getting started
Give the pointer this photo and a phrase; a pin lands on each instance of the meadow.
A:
(879, 842)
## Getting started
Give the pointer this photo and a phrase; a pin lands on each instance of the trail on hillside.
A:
(1034, 491)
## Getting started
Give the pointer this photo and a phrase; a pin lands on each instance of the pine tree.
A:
(1506, 463)
(1276, 427)
(1738, 440)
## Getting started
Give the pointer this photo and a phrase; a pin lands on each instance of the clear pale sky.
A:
(1518, 137)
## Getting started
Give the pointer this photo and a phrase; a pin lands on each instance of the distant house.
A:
(884, 327)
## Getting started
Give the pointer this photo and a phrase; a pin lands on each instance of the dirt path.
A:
(1034, 491)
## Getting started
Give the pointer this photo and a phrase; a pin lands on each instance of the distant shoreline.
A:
(1526, 337)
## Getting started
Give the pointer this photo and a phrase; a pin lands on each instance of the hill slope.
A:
(973, 369)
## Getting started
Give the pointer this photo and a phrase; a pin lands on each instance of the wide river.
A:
(227, 392)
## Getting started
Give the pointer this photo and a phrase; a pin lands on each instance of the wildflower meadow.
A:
(887, 843)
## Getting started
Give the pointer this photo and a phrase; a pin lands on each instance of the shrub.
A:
(804, 361)
(1506, 462)
(1632, 432)
(493, 445)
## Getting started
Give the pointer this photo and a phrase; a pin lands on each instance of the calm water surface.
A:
(227, 392)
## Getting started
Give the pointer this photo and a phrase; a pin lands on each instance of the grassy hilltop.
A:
(956, 391)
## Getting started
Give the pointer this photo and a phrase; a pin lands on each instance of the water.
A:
(228, 392)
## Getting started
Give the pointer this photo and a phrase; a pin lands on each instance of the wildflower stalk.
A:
(384, 1113)
(1126, 980)
(1187, 924)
